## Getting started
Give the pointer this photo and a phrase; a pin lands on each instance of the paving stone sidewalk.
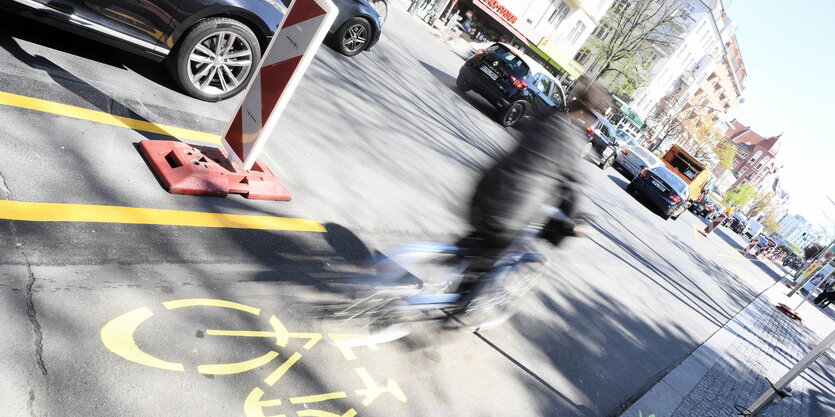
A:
(728, 372)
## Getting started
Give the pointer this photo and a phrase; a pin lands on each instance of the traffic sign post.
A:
(183, 169)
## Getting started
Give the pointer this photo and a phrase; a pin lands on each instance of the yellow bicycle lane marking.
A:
(60, 109)
(67, 110)
(118, 336)
(59, 212)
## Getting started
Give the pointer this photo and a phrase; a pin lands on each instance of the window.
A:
(712, 77)
(735, 164)
(583, 56)
(620, 4)
(755, 157)
(559, 14)
(601, 32)
(742, 154)
(578, 30)
(749, 176)
(543, 84)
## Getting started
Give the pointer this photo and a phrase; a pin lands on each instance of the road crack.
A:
(31, 312)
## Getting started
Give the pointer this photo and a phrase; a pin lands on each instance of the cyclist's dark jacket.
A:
(541, 170)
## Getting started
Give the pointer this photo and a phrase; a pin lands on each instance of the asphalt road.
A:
(381, 149)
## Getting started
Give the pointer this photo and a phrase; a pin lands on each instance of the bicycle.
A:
(413, 285)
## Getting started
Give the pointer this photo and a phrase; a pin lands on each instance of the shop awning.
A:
(499, 19)
(557, 59)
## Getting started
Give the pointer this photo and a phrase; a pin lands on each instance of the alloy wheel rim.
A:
(512, 115)
(354, 38)
(219, 63)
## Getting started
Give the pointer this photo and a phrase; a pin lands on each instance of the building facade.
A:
(796, 230)
(754, 162)
(706, 32)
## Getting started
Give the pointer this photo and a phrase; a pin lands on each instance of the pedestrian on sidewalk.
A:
(716, 222)
(466, 25)
(825, 298)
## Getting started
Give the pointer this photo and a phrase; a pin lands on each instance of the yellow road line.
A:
(54, 212)
(67, 110)
(744, 258)
(318, 398)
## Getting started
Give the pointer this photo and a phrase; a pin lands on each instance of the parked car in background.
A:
(602, 146)
(754, 228)
(707, 207)
(212, 48)
(663, 189)
(632, 159)
(624, 139)
(516, 85)
(738, 223)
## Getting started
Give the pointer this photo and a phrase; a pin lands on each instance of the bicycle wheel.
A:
(497, 298)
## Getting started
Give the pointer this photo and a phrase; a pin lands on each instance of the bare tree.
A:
(631, 28)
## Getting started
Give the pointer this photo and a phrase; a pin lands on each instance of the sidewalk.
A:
(730, 368)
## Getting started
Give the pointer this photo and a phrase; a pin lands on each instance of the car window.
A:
(644, 154)
(543, 84)
(515, 64)
(672, 180)
(604, 130)
(626, 137)
(556, 96)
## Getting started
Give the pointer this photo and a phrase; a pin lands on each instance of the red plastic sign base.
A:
(203, 170)
(789, 312)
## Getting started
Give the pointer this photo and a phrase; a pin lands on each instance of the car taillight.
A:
(675, 198)
(644, 167)
(589, 130)
(518, 82)
(644, 173)
(624, 151)
(479, 52)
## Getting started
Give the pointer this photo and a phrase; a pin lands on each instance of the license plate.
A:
(658, 185)
(489, 72)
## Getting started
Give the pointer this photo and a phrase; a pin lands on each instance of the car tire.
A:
(204, 75)
(353, 36)
(587, 150)
(607, 162)
(462, 84)
(511, 114)
(630, 188)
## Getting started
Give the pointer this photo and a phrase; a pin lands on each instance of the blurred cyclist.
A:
(542, 170)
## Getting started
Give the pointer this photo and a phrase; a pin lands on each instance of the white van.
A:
(754, 229)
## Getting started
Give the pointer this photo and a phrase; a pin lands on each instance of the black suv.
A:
(501, 75)
(603, 144)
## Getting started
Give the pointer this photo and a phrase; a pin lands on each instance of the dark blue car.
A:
(663, 189)
(211, 47)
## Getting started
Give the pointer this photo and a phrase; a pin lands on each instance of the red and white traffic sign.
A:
(287, 57)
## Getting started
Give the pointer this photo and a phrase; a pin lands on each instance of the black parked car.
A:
(738, 223)
(707, 207)
(603, 145)
(211, 47)
(515, 86)
(663, 188)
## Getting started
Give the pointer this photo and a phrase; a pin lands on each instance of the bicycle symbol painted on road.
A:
(118, 336)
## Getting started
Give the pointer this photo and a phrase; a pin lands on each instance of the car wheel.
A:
(215, 59)
(461, 84)
(587, 150)
(382, 8)
(630, 188)
(352, 37)
(607, 162)
(512, 113)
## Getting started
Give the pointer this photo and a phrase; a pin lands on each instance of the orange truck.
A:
(690, 169)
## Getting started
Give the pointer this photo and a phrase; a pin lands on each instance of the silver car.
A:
(635, 158)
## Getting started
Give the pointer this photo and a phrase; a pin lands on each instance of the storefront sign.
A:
(501, 10)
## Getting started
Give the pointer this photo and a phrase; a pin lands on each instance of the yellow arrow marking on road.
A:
(55, 212)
